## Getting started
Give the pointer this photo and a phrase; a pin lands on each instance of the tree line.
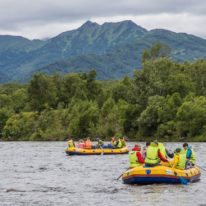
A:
(165, 100)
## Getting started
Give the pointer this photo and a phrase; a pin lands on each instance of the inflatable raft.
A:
(105, 151)
(160, 174)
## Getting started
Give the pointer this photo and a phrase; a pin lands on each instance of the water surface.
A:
(40, 173)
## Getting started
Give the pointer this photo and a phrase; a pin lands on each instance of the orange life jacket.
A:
(88, 144)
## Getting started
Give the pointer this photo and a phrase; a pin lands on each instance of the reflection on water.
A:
(40, 173)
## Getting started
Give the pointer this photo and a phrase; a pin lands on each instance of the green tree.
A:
(158, 111)
(73, 87)
(41, 92)
(158, 50)
(93, 87)
(162, 77)
(5, 101)
(112, 118)
(20, 126)
(191, 117)
(83, 117)
(4, 115)
(19, 100)
(197, 71)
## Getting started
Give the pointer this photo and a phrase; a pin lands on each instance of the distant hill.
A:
(113, 49)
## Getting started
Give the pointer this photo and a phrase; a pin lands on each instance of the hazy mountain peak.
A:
(114, 49)
(89, 24)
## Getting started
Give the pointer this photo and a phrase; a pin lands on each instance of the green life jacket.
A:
(152, 154)
(70, 143)
(119, 144)
(193, 156)
(123, 143)
(133, 159)
(162, 149)
(182, 160)
(100, 143)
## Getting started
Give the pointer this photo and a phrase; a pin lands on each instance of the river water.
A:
(40, 173)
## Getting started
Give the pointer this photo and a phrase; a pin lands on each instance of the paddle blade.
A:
(183, 181)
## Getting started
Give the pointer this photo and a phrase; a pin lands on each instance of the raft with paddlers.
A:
(160, 174)
(99, 151)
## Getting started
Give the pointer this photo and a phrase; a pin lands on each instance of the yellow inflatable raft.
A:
(105, 151)
(160, 174)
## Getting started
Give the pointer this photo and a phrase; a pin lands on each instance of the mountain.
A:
(113, 49)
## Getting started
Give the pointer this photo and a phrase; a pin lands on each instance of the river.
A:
(40, 173)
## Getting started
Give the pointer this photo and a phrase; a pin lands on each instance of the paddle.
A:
(119, 176)
(183, 181)
(201, 168)
(122, 174)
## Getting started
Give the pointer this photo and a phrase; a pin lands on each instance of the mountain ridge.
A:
(113, 49)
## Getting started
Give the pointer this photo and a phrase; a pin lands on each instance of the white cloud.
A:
(47, 18)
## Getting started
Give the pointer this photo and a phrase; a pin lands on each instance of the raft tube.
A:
(104, 151)
(160, 174)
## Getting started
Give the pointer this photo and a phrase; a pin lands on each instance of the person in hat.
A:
(179, 159)
(135, 156)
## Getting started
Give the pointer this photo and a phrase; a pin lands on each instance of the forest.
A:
(165, 100)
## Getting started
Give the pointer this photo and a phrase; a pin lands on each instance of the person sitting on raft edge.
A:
(88, 143)
(154, 155)
(100, 143)
(81, 144)
(112, 144)
(135, 156)
(190, 154)
(123, 142)
(71, 143)
(179, 159)
(120, 143)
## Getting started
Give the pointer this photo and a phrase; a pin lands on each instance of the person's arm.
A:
(162, 157)
(139, 157)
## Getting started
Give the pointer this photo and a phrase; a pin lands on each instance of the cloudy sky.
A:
(47, 18)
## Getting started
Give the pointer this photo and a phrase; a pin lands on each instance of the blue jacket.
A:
(189, 152)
